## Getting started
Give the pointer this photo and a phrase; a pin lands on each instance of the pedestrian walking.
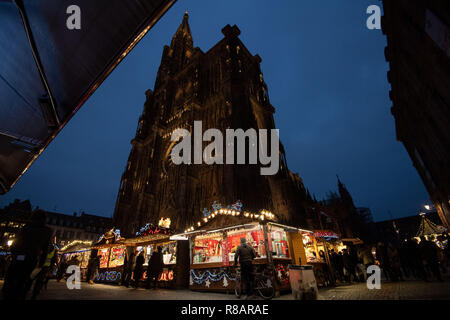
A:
(128, 268)
(42, 277)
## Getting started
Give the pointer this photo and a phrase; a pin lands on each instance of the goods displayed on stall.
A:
(213, 251)
(316, 245)
(111, 252)
(213, 255)
(147, 241)
(76, 252)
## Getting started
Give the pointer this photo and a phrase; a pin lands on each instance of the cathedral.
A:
(225, 89)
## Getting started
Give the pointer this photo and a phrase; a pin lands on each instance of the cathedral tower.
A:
(224, 88)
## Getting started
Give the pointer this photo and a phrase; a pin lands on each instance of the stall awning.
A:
(354, 241)
(47, 71)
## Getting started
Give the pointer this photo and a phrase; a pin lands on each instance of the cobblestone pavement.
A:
(389, 291)
(402, 290)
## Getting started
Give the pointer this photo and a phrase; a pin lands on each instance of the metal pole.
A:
(36, 57)
(327, 257)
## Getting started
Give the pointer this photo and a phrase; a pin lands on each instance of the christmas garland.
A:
(207, 275)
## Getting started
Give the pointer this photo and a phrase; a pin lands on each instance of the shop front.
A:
(319, 246)
(146, 245)
(111, 250)
(213, 251)
(77, 253)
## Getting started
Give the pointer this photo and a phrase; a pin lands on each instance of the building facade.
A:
(66, 228)
(225, 89)
(418, 53)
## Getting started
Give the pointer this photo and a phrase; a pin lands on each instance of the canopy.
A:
(427, 227)
(47, 71)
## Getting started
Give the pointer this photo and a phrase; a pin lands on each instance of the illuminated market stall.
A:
(111, 250)
(147, 241)
(317, 245)
(78, 252)
(213, 246)
(432, 232)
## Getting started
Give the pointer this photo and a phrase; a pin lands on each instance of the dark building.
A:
(224, 88)
(66, 228)
(339, 214)
(396, 230)
(418, 53)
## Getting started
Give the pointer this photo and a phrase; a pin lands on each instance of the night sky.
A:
(326, 75)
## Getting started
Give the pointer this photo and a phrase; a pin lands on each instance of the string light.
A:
(263, 215)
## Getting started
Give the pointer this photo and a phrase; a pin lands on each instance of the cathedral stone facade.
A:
(224, 88)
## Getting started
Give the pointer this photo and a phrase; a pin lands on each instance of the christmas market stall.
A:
(214, 243)
(318, 245)
(431, 231)
(111, 250)
(148, 240)
(77, 252)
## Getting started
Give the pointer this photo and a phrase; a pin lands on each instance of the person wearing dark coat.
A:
(29, 251)
(62, 267)
(128, 268)
(245, 255)
(139, 268)
(155, 266)
(93, 265)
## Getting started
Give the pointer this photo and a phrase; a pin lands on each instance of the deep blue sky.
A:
(326, 75)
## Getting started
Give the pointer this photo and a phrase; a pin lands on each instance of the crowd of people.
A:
(411, 259)
(34, 260)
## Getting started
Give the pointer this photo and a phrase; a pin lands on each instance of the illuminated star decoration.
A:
(207, 283)
(225, 282)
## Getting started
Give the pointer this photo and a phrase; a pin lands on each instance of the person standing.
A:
(155, 266)
(394, 263)
(62, 267)
(28, 251)
(93, 265)
(128, 268)
(245, 255)
(139, 268)
(43, 275)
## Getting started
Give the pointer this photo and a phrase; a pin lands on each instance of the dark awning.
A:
(74, 63)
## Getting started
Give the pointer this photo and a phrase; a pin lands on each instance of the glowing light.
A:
(10, 242)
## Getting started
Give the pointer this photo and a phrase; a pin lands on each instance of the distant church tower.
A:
(224, 88)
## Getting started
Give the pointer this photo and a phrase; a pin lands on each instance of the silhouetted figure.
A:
(154, 268)
(382, 257)
(245, 255)
(349, 266)
(128, 268)
(394, 263)
(92, 268)
(139, 269)
(29, 251)
(43, 275)
(62, 267)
